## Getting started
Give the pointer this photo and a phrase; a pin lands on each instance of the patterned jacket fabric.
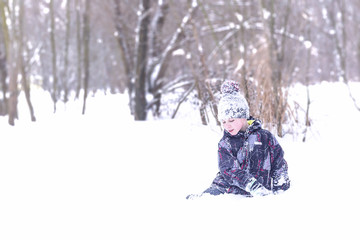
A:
(253, 153)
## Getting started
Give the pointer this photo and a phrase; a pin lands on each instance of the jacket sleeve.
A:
(230, 170)
(279, 167)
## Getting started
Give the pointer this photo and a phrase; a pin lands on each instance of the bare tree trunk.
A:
(243, 57)
(124, 46)
(164, 60)
(157, 25)
(11, 46)
(141, 62)
(197, 86)
(341, 43)
(150, 66)
(67, 39)
(79, 49)
(13, 90)
(4, 58)
(159, 64)
(126, 54)
(4, 87)
(24, 81)
(53, 51)
(13, 82)
(307, 82)
(340, 39)
(86, 51)
(155, 42)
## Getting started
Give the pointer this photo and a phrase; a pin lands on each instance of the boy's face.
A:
(234, 125)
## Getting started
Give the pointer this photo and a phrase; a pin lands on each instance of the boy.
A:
(250, 159)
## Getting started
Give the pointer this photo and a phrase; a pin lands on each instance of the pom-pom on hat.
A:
(232, 104)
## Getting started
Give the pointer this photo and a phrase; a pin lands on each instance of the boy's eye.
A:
(231, 120)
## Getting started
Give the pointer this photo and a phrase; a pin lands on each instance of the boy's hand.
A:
(257, 189)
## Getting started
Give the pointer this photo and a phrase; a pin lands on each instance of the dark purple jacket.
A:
(254, 153)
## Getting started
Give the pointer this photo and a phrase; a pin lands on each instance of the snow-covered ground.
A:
(104, 176)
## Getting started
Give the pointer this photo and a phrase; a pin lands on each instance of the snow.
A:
(179, 52)
(307, 44)
(103, 176)
(239, 17)
(155, 73)
(240, 64)
(194, 4)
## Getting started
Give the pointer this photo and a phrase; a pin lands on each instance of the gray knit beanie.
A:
(232, 104)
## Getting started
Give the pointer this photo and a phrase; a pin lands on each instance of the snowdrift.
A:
(104, 176)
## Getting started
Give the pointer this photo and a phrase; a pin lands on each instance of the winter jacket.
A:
(253, 153)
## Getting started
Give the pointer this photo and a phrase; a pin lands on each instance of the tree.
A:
(179, 50)
(3, 70)
(54, 54)
(276, 51)
(86, 35)
(338, 19)
(147, 73)
(12, 58)
(141, 61)
(24, 78)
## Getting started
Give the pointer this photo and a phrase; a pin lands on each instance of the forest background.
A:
(165, 52)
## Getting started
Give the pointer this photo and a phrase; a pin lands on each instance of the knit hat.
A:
(232, 104)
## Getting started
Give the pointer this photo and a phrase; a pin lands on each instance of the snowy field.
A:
(104, 176)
